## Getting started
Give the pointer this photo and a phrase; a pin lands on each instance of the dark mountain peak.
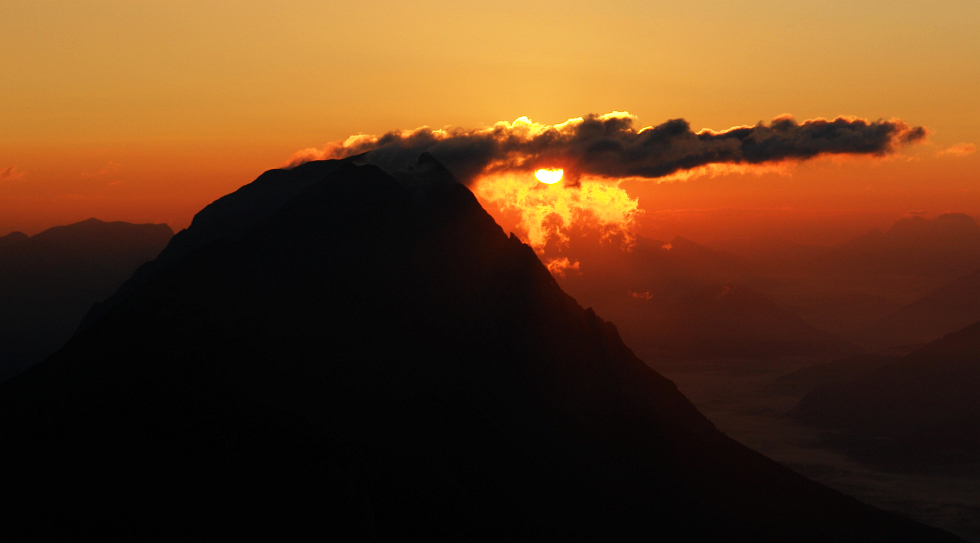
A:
(226, 219)
(426, 175)
(384, 367)
(12, 238)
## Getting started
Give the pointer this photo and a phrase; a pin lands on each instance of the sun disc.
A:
(549, 176)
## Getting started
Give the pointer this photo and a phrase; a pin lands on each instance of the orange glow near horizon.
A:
(149, 111)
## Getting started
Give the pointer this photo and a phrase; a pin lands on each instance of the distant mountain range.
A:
(48, 281)
(853, 290)
(683, 300)
(364, 356)
(922, 408)
(734, 321)
(947, 247)
(945, 310)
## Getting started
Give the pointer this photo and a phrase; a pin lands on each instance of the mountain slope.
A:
(48, 281)
(920, 409)
(954, 306)
(375, 361)
(725, 321)
(947, 246)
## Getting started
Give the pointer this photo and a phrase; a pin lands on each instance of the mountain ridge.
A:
(380, 364)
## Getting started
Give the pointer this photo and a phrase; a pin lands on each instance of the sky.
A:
(146, 111)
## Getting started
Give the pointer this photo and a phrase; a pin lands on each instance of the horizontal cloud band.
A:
(608, 145)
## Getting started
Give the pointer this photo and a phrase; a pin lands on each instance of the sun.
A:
(549, 176)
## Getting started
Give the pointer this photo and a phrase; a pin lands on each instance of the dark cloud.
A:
(609, 146)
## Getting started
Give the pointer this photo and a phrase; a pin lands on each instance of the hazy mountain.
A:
(377, 361)
(732, 321)
(920, 409)
(682, 299)
(662, 272)
(844, 369)
(48, 281)
(847, 288)
(950, 308)
(947, 246)
(770, 257)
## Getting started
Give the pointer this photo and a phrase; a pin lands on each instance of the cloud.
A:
(10, 174)
(546, 212)
(110, 168)
(608, 146)
(960, 149)
(558, 266)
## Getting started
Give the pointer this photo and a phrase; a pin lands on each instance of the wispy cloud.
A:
(11, 173)
(960, 149)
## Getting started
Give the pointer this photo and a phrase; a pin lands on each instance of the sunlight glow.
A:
(547, 214)
(549, 176)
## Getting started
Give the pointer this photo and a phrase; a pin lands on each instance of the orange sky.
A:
(146, 111)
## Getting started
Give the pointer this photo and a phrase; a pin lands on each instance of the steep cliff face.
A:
(374, 358)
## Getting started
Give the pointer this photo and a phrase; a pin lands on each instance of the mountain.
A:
(48, 281)
(921, 409)
(846, 289)
(844, 369)
(374, 359)
(945, 247)
(12, 238)
(733, 321)
(945, 310)
(225, 219)
(663, 272)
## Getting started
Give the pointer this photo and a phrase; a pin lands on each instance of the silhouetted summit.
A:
(375, 359)
(48, 281)
(11, 238)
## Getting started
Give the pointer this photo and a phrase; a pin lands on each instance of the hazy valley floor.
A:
(743, 400)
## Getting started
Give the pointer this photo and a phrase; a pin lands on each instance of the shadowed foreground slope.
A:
(379, 362)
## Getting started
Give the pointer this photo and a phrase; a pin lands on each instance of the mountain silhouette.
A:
(735, 321)
(48, 281)
(954, 306)
(945, 247)
(849, 368)
(12, 238)
(372, 358)
(921, 409)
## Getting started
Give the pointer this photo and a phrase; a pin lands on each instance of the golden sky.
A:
(146, 111)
